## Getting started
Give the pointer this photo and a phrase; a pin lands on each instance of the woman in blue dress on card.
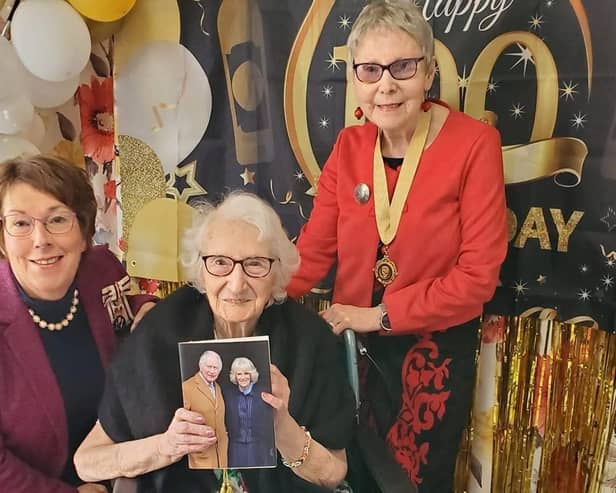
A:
(248, 420)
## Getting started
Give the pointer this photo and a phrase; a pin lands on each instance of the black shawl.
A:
(143, 387)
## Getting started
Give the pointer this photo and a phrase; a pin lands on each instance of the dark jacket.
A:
(33, 428)
(144, 386)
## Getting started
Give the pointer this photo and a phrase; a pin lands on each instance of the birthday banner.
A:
(218, 95)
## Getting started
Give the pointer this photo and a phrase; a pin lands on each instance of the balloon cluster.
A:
(50, 44)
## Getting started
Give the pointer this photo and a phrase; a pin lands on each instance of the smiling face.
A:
(237, 300)
(44, 264)
(243, 378)
(210, 369)
(392, 105)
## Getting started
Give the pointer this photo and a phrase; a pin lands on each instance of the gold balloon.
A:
(154, 242)
(150, 20)
(100, 31)
(103, 10)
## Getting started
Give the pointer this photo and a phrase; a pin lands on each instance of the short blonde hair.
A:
(243, 364)
(391, 15)
(250, 209)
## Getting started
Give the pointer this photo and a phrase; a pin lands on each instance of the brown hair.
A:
(58, 178)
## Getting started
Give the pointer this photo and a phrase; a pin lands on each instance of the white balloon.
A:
(47, 94)
(163, 98)
(12, 147)
(35, 132)
(15, 114)
(51, 39)
(11, 71)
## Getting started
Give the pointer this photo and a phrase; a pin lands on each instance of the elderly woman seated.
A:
(240, 261)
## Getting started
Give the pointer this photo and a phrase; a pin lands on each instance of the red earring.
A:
(358, 113)
(426, 105)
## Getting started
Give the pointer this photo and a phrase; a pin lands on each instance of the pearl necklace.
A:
(62, 323)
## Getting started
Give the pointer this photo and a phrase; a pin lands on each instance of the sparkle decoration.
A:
(463, 81)
(492, 86)
(535, 22)
(541, 279)
(344, 22)
(524, 56)
(607, 281)
(327, 91)
(248, 177)
(583, 294)
(520, 287)
(584, 268)
(516, 111)
(568, 91)
(186, 173)
(323, 122)
(333, 62)
(578, 120)
(553, 389)
(609, 219)
(299, 176)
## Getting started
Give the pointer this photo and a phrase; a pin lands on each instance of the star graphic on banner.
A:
(578, 120)
(492, 86)
(584, 268)
(524, 55)
(463, 81)
(298, 175)
(541, 279)
(520, 287)
(583, 295)
(568, 90)
(344, 22)
(607, 281)
(609, 219)
(248, 177)
(610, 263)
(323, 122)
(517, 110)
(535, 22)
(192, 188)
(327, 91)
(332, 62)
(549, 3)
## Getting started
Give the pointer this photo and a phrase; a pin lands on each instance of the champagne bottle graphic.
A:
(240, 30)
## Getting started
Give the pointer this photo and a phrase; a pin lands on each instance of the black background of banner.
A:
(583, 268)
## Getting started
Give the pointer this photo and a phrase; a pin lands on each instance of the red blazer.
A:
(452, 236)
(33, 431)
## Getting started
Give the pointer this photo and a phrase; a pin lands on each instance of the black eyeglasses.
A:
(402, 69)
(19, 224)
(221, 265)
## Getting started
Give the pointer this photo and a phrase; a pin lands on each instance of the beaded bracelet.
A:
(298, 462)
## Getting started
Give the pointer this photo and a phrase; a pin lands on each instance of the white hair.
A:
(393, 15)
(250, 209)
(210, 354)
(243, 364)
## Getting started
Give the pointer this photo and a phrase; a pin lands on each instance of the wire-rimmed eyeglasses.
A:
(221, 265)
(19, 224)
(402, 69)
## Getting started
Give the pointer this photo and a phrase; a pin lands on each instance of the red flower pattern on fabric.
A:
(96, 112)
(423, 403)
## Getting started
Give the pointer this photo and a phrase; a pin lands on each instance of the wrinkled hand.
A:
(279, 398)
(187, 433)
(92, 488)
(360, 319)
(145, 308)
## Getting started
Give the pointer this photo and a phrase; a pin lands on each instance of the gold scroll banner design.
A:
(542, 157)
(554, 405)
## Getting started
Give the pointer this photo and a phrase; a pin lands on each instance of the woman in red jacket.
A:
(411, 208)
